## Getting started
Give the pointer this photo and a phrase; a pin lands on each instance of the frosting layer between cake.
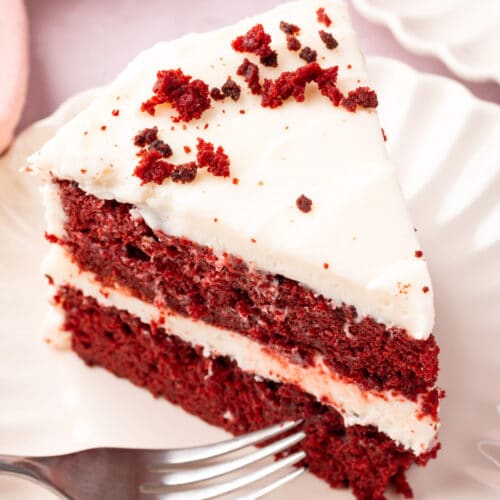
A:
(357, 244)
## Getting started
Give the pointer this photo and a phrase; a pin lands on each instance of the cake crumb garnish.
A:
(384, 136)
(236, 181)
(349, 66)
(326, 265)
(419, 254)
(361, 96)
(184, 173)
(190, 98)
(86, 132)
(309, 55)
(242, 111)
(250, 72)
(216, 94)
(323, 17)
(161, 147)
(216, 160)
(115, 112)
(257, 41)
(187, 149)
(425, 289)
(304, 204)
(253, 240)
(103, 127)
(83, 171)
(215, 219)
(146, 136)
(293, 43)
(152, 167)
(231, 89)
(328, 39)
(289, 28)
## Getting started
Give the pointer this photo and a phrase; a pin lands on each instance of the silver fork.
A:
(122, 473)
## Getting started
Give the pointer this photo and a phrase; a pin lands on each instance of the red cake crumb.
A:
(190, 98)
(309, 55)
(146, 136)
(327, 84)
(236, 181)
(250, 72)
(83, 171)
(349, 66)
(51, 238)
(419, 254)
(257, 41)
(242, 111)
(326, 265)
(361, 96)
(161, 147)
(328, 40)
(293, 43)
(289, 28)
(184, 173)
(425, 289)
(253, 240)
(231, 89)
(384, 136)
(103, 127)
(323, 17)
(288, 84)
(187, 149)
(216, 161)
(115, 112)
(359, 457)
(152, 167)
(304, 204)
(216, 94)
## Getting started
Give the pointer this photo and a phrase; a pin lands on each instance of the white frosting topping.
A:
(394, 415)
(358, 225)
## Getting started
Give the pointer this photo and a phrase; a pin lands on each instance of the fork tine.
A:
(222, 488)
(215, 470)
(187, 455)
(273, 486)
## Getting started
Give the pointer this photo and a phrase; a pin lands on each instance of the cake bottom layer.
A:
(218, 391)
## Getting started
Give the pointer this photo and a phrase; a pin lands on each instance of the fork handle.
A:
(28, 468)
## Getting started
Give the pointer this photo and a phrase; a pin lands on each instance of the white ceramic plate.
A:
(464, 34)
(445, 143)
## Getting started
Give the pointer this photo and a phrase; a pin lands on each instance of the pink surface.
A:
(78, 45)
(14, 63)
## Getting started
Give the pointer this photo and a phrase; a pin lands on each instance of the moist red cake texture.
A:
(359, 457)
(191, 280)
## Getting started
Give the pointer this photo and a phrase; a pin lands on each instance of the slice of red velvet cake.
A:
(229, 233)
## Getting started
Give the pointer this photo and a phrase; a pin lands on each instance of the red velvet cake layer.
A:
(224, 291)
(359, 456)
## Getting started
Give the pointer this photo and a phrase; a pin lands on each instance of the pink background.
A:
(76, 45)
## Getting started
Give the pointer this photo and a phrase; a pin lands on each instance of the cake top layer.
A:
(287, 171)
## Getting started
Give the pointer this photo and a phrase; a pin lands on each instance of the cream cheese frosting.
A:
(358, 224)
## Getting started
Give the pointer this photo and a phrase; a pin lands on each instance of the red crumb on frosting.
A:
(253, 240)
(216, 94)
(326, 265)
(257, 41)
(425, 289)
(349, 66)
(328, 39)
(184, 173)
(292, 43)
(323, 17)
(146, 136)
(190, 98)
(309, 55)
(419, 254)
(327, 84)
(250, 72)
(304, 204)
(236, 180)
(384, 136)
(83, 171)
(288, 84)
(51, 238)
(289, 28)
(231, 89)
(115, 112)
(152, 167)
(103, 127)
(361, 96)
(216, 160)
